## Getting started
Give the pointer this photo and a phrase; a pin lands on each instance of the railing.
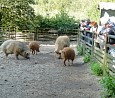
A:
(41, 34)
(47, 34)
(8, 33)
(104, 56)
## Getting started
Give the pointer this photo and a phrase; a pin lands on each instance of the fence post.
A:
(106, 72)
(36, 34)
(15, 32)
(92, 51)
(84, 43)
(80, 41)
(78, 37)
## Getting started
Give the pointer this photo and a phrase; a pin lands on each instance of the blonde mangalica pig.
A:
(61, 42)
(67, 54)
(15, 47)
(34, 47)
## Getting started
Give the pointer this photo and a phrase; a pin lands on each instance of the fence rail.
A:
(41, 34)
(51, 34)
(12, 33)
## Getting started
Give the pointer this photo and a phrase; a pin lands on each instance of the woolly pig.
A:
(61, 42)
(34, 46)
(67, 54)
(15, 47)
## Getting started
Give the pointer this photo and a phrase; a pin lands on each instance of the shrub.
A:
(80, 49)
(87, 58)
(60, 21)
(96, 69)
(108, 82)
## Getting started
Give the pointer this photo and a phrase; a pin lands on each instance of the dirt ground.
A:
(44, 76)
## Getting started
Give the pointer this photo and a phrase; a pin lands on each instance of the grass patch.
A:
(80, 49)
(87, 58)
(96, 68)
(108, 83)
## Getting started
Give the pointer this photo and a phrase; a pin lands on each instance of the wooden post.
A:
(33, 36)
(84, 43)
(92, 51)
(106, 72)
(15, 32)
(78, 37)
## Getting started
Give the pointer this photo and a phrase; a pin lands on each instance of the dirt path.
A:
(44, 76)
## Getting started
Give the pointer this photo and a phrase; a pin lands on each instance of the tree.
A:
(14, 11)
(78, 8)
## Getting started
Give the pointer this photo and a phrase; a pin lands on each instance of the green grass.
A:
(96, 68)
(80, 49)
(108, 83)
(87, 58)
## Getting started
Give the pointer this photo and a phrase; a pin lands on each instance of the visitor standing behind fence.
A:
(94, 27)
(85, 28)
(82, 25)
(106, 28)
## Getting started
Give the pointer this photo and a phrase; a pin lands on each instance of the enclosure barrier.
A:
(106, 57)
(41, 34)
(49, 34)
(13, 33)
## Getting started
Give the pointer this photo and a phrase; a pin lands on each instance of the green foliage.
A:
(64, 21)
(96, 68)
(87, 58)
(45, 23)
(93, 12)
(23, 24)
(80, 9)
(50, 13)
(60, 21)
(108, 82)
(80, 49)
(14, 11)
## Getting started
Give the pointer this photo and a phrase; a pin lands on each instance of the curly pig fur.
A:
(34, 47)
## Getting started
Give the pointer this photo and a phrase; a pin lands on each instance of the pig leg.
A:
(64, 62)
(68, 62)
(33, 52)
(36, 52)
(6, 55)
(17, 56)
(72, 62)
(5, 51)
